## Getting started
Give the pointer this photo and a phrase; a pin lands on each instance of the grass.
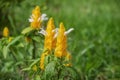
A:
(95, 42)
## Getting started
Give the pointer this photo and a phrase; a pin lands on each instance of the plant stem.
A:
(14, 57)
(59, 72)
(13, 54)
(34, 47)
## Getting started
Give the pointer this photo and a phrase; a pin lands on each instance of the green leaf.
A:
(73, 73)
(46, 61)
(14, 41)
(27, 30)
(12, 23)
(36, 38)
(29, 68)
(37, 77)
(6, 48)
(50, 70)
(26, 69)
(20, 45)
(5, 51)
(35, 61)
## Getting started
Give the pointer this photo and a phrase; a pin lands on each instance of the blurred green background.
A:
(95, 42)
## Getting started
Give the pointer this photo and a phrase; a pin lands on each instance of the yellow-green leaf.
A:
(27, 30)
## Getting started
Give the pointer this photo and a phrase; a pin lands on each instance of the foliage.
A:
(24, 50)
(94, 44)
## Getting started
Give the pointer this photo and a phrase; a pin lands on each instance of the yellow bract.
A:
(61, 44)
(34, 68)
(50, 41)
(5, 32)
(36, 14)
(42, 59)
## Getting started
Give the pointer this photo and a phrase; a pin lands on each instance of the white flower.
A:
(31, 19)
(43, 32)
(56, 32)
(68, 31)
(43, 17)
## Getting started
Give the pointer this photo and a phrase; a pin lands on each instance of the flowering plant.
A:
(33, 60)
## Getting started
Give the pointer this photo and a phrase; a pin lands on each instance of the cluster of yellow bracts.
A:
(58, 43)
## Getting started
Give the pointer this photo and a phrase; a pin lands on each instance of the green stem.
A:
(59, 70)
(13, 54)
(14, 57)
(34, 47)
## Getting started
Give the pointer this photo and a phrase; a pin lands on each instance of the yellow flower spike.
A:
(35, 18)
(50, 41)
(61, 45)
(42, 59)
(6, 32)
(34, 68)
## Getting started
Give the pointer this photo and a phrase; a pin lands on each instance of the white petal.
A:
(68, 31)
(33, 15)
(42, 31)
(44, 17)
(56, 32)
(39, 18)
(30, 20)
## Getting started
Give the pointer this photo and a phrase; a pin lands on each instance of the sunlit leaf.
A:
(14, 41)
(36, 38)
(5, 51)
(27, 30)
(34, 62)
(26, 69)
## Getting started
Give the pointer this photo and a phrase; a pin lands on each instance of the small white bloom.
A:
(68, 31)
(44, 17)
(43, 32)
(30, 20)
(39, 19)
(56, 32)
